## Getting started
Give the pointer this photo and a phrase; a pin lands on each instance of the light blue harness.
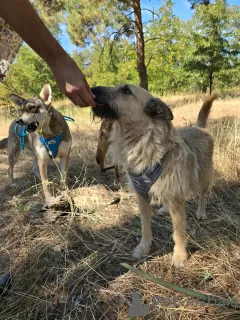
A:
(51, 144)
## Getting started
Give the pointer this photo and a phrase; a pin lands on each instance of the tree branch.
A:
(154, 13)
(151, 39)
(149, 61)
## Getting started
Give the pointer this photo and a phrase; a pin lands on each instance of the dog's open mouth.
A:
(31, 127)
(105, 111)
(105, 108)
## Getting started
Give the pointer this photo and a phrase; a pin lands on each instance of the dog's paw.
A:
(201, 215)
(141, 250)
(53, 201)
(179, 258)
(13, 184)
(162, 211)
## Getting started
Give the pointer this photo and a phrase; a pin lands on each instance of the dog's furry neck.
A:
(140, 147)
(55, 126)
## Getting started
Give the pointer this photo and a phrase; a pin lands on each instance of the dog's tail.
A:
(4, 144)
(205, 110)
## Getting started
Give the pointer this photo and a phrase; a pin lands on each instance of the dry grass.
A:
(71, 269)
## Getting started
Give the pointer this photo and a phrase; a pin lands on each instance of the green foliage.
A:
(180, 55)
(165, 49)
(213, 44)
(105, 68)
(29, 73)
(51, 12)
(96, 21)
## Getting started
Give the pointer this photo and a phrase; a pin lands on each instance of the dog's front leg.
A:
(64, 170)
(42, 165)
(146, 216)
(178, 215)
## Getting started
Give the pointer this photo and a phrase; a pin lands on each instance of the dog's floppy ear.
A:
(157, 108)
(17, 100)
(46, 94)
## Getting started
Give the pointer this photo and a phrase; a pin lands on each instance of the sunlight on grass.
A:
(71, 269)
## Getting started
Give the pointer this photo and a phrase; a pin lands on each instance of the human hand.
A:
(72, 82)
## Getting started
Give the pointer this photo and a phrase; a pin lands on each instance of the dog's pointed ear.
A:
(157, 108)
(46, 94)
(17, 100)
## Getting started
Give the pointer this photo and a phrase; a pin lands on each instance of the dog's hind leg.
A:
(35, 168)
(205, 182)
(201, 212)
(13, 153)
(146, 216)
(178, 215)
(64, 170)
(42, 164)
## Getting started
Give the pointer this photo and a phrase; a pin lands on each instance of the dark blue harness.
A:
(52, 144)
(143, 182)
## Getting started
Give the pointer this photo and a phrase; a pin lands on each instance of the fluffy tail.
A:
(205, 110)
(4, 144)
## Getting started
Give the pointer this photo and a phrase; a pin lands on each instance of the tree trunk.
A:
(210, 82)
(10, 43)
(142, 70)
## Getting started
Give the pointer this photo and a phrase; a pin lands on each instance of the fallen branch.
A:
(203, 297)
(114, 201)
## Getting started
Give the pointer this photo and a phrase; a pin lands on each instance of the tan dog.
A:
(164, 165)
(39, 120)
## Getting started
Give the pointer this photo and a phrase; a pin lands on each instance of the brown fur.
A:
(103, 145)
(142, 134)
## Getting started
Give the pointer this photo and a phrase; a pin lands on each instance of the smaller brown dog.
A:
(103, 145)
(42, 129)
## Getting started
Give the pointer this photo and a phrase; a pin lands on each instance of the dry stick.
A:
(204, 297)
(114, 201)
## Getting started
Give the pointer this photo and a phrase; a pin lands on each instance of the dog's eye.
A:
(127, 90)
(31, 108)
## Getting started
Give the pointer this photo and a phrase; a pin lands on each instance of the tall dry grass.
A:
(71, 269)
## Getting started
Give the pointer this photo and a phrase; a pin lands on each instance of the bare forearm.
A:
(22, 17)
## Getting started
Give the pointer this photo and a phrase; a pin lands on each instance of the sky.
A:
(181, 9)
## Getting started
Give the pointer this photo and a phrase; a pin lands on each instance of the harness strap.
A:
(68, 118)
(21, 134)
(143, 182)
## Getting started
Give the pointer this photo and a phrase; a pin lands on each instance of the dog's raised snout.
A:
(32, 126)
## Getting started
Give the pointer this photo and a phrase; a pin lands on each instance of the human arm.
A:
(22, 17)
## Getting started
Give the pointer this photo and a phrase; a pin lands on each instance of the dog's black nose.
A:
(32, 126)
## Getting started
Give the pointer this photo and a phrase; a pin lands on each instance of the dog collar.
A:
(143, 182)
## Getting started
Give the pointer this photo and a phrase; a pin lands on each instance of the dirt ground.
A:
(71, 268)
